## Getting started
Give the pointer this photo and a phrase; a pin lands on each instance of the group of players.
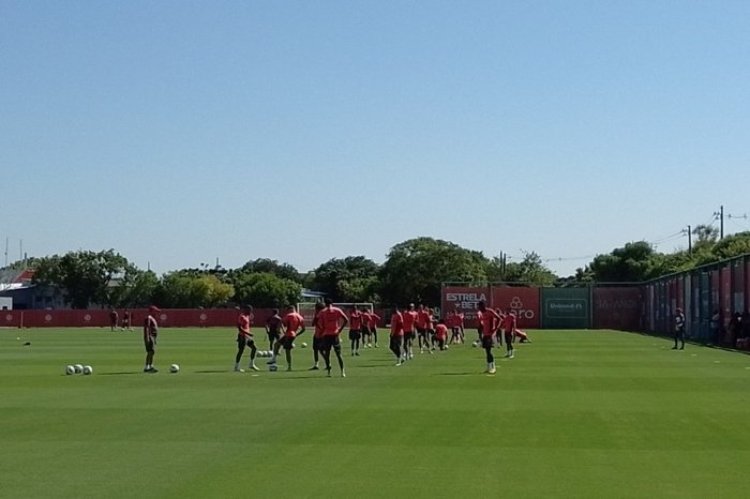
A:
(413, 323)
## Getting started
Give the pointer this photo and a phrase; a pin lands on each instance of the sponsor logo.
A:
(465, 301)
(516, 306)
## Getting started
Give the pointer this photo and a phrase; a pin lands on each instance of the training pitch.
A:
(576, 414)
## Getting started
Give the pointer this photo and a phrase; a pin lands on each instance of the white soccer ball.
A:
(272, 367)
(174, 368)
(259, 354)
(70, 370)
(475, 344)
(87, 370)
(304, 345)
(266, 353)
(78, 368)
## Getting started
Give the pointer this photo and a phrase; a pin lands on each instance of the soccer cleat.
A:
(153, 370)
(289, 368)
(343, 373)
(356, 353)
(253, 367)
(491, 370)
(314, 368)
(328, 370)
(411, 355)
(399, 363)
(511, 354)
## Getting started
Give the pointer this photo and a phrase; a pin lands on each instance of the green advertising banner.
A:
(566, 308)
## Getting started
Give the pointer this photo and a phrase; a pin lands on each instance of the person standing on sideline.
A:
(334, 320)
(679, 329)
(150, 331)
(489, 323)
(245, 338)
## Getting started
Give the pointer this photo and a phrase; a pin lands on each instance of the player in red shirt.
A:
(420, 325)
(490, 321)
(410, 319)
(150, 331)
(523, 337)
(113, 319)
(508, 325)
(245, 338)
(355, 329)
(293, 324)
(273, 328)
(334, 321)
(397, 334)
(431, 328)
(373, 327)
(317, 342)
(441, 334)
(126, 321)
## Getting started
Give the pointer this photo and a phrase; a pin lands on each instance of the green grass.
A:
(575, 414)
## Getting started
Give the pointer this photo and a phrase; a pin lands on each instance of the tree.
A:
(268, 266)
(415, 269)
(262, 289)
(634, 262)
(706, 236)
(533, 271)
(183, 290)
(136, 289)
(85, 277)
(351, 279)
(731, 246)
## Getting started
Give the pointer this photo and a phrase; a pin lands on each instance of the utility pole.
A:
(690, 240)
(720, 215)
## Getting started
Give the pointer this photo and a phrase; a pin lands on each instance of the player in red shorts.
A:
(334, 321)
(508, 325)
(490, 321)
(293, 324)
(410, 319)
(441, 334)
(150, 332)
(317, 342)
(355, 329)
(397, 334)
(245, 338)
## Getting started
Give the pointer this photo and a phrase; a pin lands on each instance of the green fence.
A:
(566, 308)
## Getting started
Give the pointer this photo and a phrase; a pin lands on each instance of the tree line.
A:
(413, 270)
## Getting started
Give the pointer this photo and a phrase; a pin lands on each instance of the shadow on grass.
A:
(215, 371)
(123, 373)
(457, 374)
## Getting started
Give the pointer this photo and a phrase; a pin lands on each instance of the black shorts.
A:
(331, 341)
(243, 341)
(287, 342)
(355, 334)
(395, 342)
(408, 336)
(455, 331)
(421, 331)
(508, 337)
(487, 342)
(317, 343)
(431, 332)
(150, 345)
(273, 337)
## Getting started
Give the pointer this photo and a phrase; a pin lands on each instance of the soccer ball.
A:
(174, 368)
(78, 368)
(304, 345)
(70, 370)
(260, 354)
(475, 344)
(87, 370)
(273, 367)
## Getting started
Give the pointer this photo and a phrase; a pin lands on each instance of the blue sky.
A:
(180, 132)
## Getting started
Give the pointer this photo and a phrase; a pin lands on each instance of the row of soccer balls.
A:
(81, 369)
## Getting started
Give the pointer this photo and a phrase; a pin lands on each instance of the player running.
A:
(150, 332)
(397, 334)
(489, 323)
(293, 325)
(273, 328)
(317, 342)
(245, 338)
(410, 319)
(508, 325)
(355, 329)
(334, 321)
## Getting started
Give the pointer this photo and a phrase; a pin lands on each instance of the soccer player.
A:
(355, 329)
(679, 329)
(373, 326)
(508, 325)
(366, 340)
(150, 332)
(317, 342)
(522, 336)
(489, 323)
(410, 318)
(245, 338)
(126, 321)
(334, 321)
(421, 326)
(273, 328)
(113, 319)
(397, 334)
(293, 324)
(441, 334)
(456, 323)
(431, 327)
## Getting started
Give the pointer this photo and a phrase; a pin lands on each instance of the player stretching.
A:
(317, 342)
(397, 334)
(355, 329)
(150, 331)
(508, 325)
(441, 334)
(334, 321)
(489, 323)
(410, 318)
(245, 338)
(273, 328)
(293, 325)
(372, 325)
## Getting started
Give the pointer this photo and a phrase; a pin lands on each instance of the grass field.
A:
(575, 414)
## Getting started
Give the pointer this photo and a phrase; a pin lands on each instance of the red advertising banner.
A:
(524, 302)
(618, 308)
(465, 300)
